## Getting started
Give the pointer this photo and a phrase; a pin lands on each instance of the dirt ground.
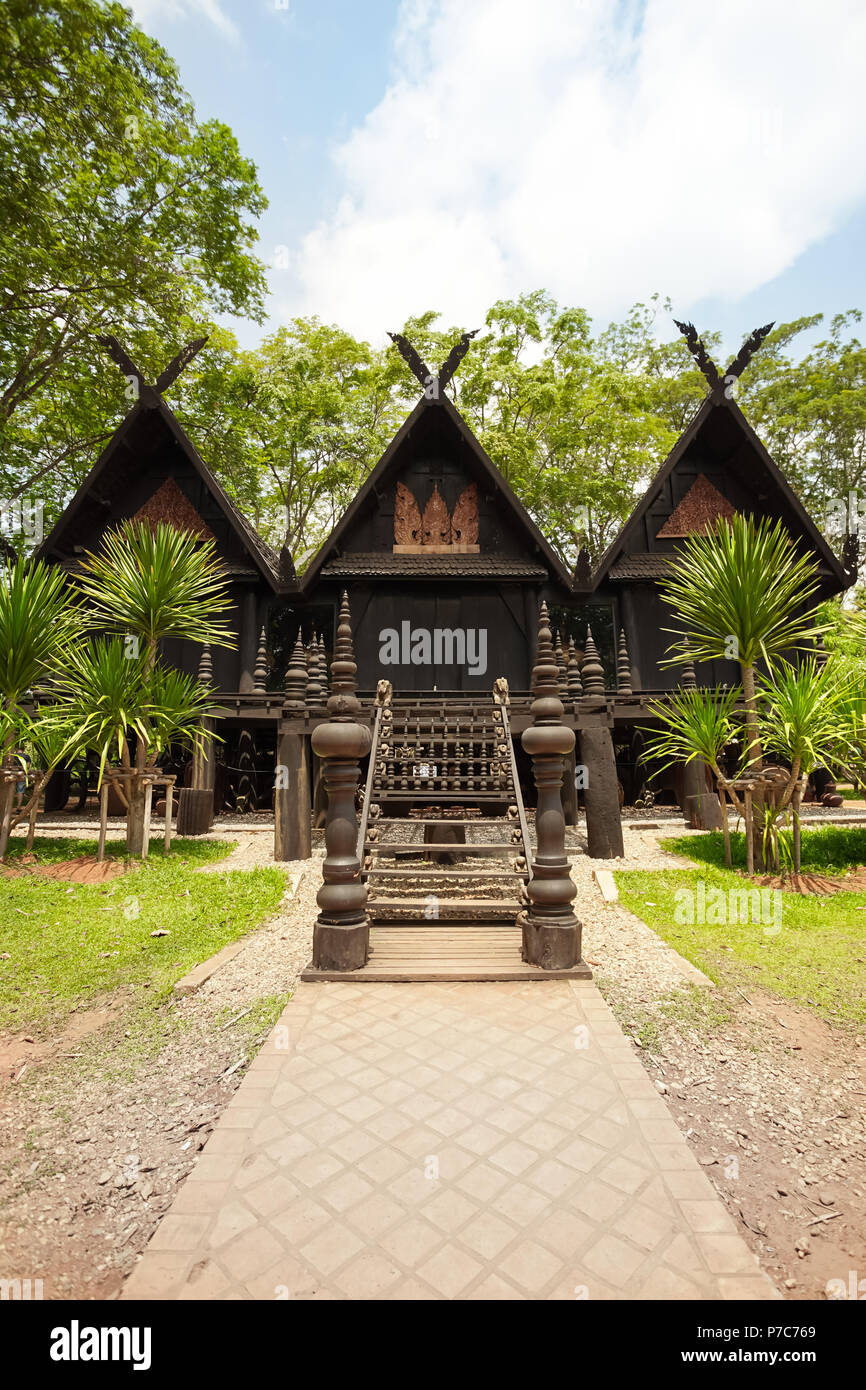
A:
(104, 1121)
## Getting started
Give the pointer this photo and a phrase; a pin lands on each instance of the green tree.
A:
(119, 211)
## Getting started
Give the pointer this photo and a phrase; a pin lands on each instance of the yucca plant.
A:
(805, 718)
(39, 618)
(155, 582)
(39, 622)
(696, 724)
(151, 582)
(41, 745)
(741, 592)
(113, 701)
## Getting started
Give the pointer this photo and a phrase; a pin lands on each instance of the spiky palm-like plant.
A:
(696, 724)
(741, 592)
(39, 617)
(39, 621)
(112, 700)
(156, 582)
(805, 719)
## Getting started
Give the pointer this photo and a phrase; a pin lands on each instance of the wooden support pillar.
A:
(247, 643)
(701, 809)
(726, 829)
(551, 932)
(103, 819)
(601, 793)
(341, 934)
(195, 806)
(169, 808)
(7, 798)
(292, 822)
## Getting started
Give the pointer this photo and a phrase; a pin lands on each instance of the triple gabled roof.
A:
(719, 441)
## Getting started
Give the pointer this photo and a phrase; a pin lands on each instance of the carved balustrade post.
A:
(341, 933)
(551, 932)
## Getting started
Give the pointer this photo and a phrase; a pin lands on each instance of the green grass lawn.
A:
(817, 959)
(67, 944)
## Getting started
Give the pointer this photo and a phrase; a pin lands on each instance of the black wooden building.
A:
(444, 568)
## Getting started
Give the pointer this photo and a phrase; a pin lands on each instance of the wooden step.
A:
(449, 910)
(442, 820)
(441, 847)
(456, 952)
(423, 873)
(385, 795)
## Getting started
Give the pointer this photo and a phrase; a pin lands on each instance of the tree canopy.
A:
(121, 212)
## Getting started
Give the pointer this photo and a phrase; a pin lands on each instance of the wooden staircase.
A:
(443, 834)
(443, 845)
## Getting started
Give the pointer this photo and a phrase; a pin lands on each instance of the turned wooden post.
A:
(260, 671)
(551, 932)
(623, 667)
(341, 933)
(292, 819)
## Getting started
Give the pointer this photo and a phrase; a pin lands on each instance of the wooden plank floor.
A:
(452, 952)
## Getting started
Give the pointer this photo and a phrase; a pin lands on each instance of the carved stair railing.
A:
(368, 787)
(518, 794)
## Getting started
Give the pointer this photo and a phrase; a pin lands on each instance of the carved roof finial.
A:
(738, 365)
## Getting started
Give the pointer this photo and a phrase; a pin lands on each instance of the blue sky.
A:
(421, 155)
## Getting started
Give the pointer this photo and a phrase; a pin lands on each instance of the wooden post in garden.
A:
(169, 808)
(292, 818)
(341, 933)
(551, 932)
(700, 808)
(195, 807)
(103, 817)
(795, 811)
(726, 829)
(601, 794)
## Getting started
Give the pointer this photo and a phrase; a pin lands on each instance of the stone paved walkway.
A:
(447, 1141)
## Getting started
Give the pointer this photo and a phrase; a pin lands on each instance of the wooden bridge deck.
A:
(452, 952)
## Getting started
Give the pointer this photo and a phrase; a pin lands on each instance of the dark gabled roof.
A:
(643, 566)
(553, 565)
(610, 560)
(263, 556)
(455, 566)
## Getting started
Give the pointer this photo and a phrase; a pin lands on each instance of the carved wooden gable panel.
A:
(437, 530)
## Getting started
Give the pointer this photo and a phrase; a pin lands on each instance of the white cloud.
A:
(600, 150)
(148, 12)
